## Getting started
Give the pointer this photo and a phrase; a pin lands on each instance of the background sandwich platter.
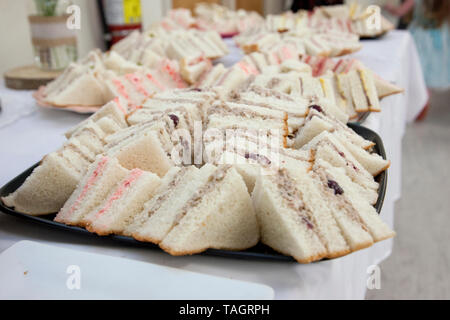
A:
(259, 252)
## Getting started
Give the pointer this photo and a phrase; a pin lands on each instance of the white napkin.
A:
(15, 104)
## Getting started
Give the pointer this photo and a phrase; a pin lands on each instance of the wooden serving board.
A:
(28, 77)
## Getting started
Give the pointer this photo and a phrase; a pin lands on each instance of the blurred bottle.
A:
(54, 43)
(120, 18)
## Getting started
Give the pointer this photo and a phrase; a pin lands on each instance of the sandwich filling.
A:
(210, 186)
(120, 190)
(96, 174)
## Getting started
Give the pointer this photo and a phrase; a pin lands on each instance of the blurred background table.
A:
(28, 132)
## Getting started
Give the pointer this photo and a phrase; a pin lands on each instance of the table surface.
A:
(28, 132)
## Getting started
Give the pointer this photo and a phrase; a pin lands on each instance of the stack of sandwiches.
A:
(362, 21)
(191, 155)
(272, 168)
(345, 19)
(186, 212)
(87, 76)
(211, 16)
(325, 43)
(352, 93)
(59, 172)
(178, 19)
(137, 67)
(310, 209)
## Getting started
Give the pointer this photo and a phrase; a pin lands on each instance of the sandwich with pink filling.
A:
(196, 209)
(124, 201)
(93, 188)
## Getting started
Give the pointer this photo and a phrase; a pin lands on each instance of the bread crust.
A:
(192, 252)
(383, 169)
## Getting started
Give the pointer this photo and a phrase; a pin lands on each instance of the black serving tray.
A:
(361, 117)
(258, 252)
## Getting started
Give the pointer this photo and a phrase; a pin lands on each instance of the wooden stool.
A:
(28, 77)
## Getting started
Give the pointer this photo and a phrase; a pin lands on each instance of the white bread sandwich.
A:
(218, 214)
(316, 122)
(255, 42)
(92, 189)
(209, 78)
(222, 116)
(157, 218)
(193, 102)
(51, 183)
(182, 44)
(74, 80)
(47, 188)
(91, 136)
(363, 91)
(148, 148)
(179, 18)
(124, 201)
(348, 194)
(137, 87)
(315, 214)
(305, 89)
(247, 150)
(321, 65)
(113, 110)
(143, 49)
(115, 62)
(288, 48)
(192, 68)
(181, 113)
(293, 219)
(294, 106)
(328, 148)
(84, 76)
(223, 80)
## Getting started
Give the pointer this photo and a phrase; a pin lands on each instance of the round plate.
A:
(39, 96)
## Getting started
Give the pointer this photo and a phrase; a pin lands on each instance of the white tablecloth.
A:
(24, 141)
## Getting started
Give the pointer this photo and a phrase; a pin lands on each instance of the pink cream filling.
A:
(319, 67)
(287, 53)
(349, 65)
(336, 67)
(275, 57)
(174, 75)
(314, 41)
(165, 25)
(132, 177)
(92, 179)
(154, 81)
(197, 60)
(307, 59)
(248, 69)
(119, 105)
(349, 26)
(137, 82)
(121, 88)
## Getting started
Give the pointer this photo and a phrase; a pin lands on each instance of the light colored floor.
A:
(419, 267)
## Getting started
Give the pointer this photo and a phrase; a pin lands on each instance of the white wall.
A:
(14, 35)
(274, 7)
(153, 11)
(15, 42)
